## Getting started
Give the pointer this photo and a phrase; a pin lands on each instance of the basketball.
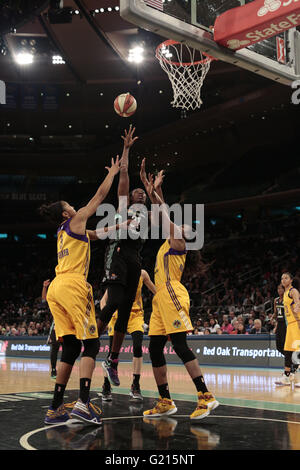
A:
(125, 105)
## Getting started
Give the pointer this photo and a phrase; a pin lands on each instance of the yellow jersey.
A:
(138, 301)
(169, 265)
(288, 302)
(73, 251)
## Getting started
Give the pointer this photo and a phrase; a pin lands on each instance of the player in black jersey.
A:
(123, 261)
(278, 315)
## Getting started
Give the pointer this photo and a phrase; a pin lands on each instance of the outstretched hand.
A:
(115, 166)
(128, 138)
(149, 183)
(146, 180)
(159, 179)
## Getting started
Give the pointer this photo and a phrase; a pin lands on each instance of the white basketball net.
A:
(186, 69)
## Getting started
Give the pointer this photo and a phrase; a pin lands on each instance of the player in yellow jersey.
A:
(291, 304)
(170, 313)
(70, 299)
(135, 328)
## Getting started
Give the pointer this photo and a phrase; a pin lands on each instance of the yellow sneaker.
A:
(210, 400)
(202, 410)
(163, 407)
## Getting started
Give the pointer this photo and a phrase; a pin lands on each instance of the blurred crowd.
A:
(234, 296)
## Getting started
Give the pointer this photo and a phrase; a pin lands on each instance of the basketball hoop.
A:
(186, 68)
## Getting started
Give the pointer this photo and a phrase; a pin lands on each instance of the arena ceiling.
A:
(241, 111)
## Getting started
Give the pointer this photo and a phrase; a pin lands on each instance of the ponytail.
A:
(194, 262)
(52, 212)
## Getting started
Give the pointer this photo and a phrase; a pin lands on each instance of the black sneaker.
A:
(106, 393)
(135, 393)
(111, 368)
(53, 374)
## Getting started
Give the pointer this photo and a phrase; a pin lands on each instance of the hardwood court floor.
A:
(253, 412)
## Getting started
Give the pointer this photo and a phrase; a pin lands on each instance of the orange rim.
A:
(171, 42)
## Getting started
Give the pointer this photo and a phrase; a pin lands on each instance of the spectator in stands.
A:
(249, 324)
(240, 329)
(232, 316)
(226, 326)
(258, 328)
(213, 325)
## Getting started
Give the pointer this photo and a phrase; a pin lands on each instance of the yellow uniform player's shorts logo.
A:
(177, 324)
(92, 329)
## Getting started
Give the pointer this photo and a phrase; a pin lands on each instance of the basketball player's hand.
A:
(46, 283)
(128, 138)
(159, 179)
(143, 175)
(115, 166)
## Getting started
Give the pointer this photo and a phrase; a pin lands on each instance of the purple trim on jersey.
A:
(173, 296)
(176, 252)
(289, 292)
(66, 228)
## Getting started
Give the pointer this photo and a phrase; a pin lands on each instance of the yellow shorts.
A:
(170, 310)
(135, 323)
(70, 299)
(292, 337)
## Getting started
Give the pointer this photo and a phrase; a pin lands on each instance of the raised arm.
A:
(78, 222)
(158, 184)
(148, 183)
(177, 241)
(123, 188)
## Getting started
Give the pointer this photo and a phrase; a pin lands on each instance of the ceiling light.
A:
(24, 58)
(136, 54)
(57, 59)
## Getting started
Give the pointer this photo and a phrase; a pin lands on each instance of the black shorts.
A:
(120, 265)
(280, 336)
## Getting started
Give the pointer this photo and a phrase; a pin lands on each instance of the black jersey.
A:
(133, 236)
(279, 309)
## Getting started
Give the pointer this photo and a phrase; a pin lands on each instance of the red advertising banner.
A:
(248, 24)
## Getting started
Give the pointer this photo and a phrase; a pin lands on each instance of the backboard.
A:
(190, 21)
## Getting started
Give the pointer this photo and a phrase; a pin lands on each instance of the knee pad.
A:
(181, 348)
(156, 350)
(91, 347)
(137, 339)
(71, 349)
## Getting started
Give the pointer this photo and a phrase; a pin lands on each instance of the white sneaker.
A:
(285, 380)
